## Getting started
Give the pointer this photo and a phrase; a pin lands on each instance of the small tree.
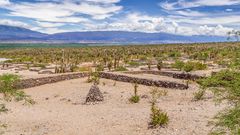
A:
(159, 65)
(109, 65)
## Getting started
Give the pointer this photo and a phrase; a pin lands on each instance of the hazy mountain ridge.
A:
(15, 34)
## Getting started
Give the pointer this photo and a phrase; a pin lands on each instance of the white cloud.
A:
(4, 2)
(49, 24)
(183, 4)
(217, 30)
(229, 10)
(144, 23)
(14, 23)
(64, 11)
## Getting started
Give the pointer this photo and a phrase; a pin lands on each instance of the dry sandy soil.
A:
(60, 111)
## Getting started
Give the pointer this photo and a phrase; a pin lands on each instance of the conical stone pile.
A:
(94, 95)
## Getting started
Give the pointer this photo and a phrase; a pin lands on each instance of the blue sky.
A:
(182, 17)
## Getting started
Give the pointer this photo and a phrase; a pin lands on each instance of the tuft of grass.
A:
(158, 117)
(198, 95)
(135, 98)
(227, 122)
(3, 108)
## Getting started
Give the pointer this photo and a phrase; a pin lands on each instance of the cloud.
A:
(183, 4)
(14, 23)
(143, 23)
(49, 24)
(4, 2)
(65, 11)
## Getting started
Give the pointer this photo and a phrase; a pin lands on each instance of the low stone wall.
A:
(147, 82)
(169, 74)
(28, 83)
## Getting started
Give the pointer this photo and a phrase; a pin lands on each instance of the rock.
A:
(94, 95)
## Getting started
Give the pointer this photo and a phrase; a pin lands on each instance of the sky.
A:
(181, 17)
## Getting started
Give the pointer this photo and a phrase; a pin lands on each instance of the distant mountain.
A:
(131, 37)
(10, 33)
(17, 33)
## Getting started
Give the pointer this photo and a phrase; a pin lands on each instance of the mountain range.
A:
(18, 34)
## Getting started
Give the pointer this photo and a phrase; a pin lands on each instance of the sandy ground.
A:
(59, 111)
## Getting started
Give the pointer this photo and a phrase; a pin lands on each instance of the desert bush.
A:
(100, 67)
(226, 86)
(199, 66)
(94, 77)
(121, 68)
(188, 67)
(178, 65)
(8, 88)
(109, 65)
(159, 65)
(157, 116)
(135, 98)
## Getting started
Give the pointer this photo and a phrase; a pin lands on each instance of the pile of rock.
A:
(94, 95)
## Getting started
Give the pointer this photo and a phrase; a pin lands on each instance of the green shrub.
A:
(121, 68)
(7, 82)
(8, 88)
(158, 117)
(100, 68)
(178, 65)
(225, 86)
(228, 122)
(199, 66)
(188, 67)
(94, 77)
(135, 98)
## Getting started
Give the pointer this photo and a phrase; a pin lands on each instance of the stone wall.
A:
(28, 83)
(147, 82)
(184, 76)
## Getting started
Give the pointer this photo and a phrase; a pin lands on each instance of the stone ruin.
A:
(94, 95)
